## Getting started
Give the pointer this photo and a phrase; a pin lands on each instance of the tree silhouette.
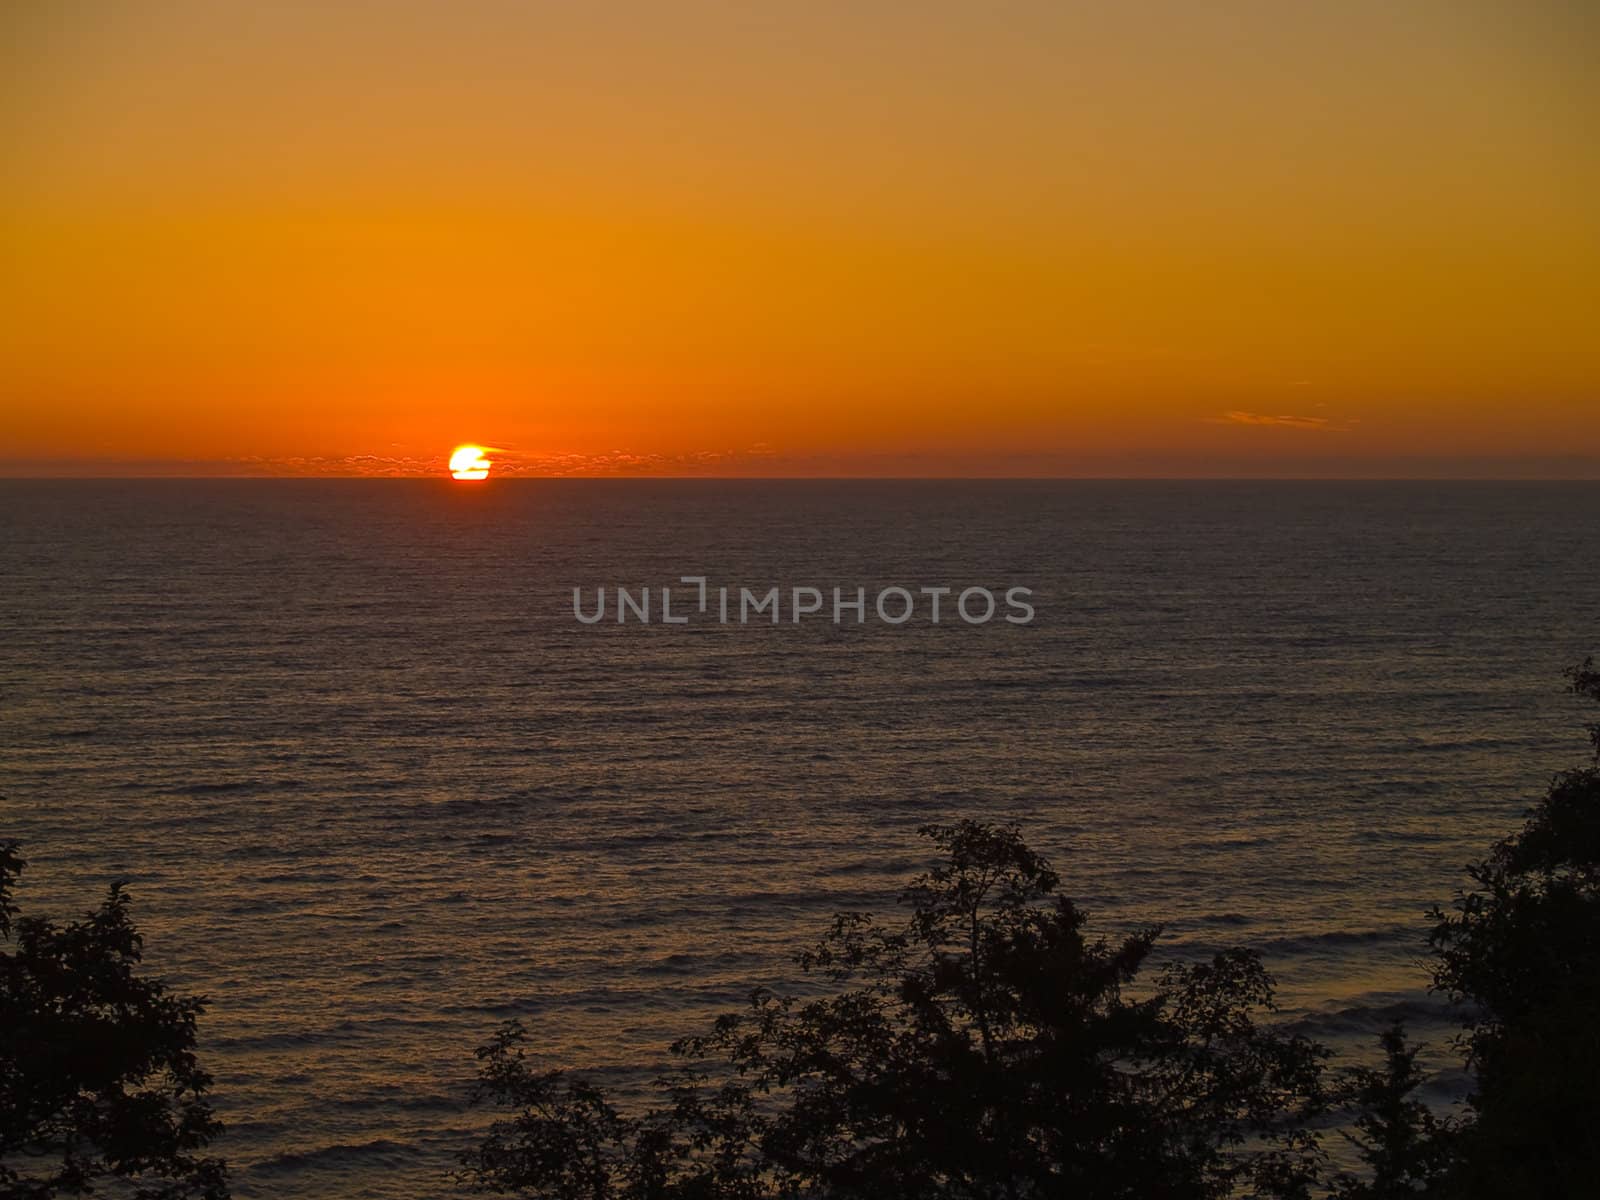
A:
(98, 1077)
(1404, 1146)
(1523, 950)
(984, 1047)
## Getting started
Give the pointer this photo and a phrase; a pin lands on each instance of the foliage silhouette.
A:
(988, 1048)
(985, 1047)
(98, 1076)
(1404, 1147)
(1523, 951)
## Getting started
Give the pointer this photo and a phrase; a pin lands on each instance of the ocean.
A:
(376, 790)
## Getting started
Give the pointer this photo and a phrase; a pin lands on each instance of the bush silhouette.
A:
(1522, 949)
(98, 1077)
(1404, 1147)
(987, 1047)
(984, 1047)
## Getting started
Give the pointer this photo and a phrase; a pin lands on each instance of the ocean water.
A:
(376, 791)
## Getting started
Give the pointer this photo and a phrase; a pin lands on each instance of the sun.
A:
(468, 462)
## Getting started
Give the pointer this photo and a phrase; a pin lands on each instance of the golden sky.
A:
(754, 238)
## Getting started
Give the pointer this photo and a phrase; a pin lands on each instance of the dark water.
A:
(377, 790)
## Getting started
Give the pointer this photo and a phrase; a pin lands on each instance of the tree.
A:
(1403, 1145)
(1522, 949)
(984, 1047)
(98, 1075)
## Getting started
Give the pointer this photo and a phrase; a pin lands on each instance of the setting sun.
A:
(468, 462)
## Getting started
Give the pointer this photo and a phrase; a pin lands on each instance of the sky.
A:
(1243, 238)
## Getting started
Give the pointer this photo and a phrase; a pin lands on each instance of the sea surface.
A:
(376, 791)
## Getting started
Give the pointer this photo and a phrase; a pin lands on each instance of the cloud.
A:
(1322, 424)
(399, 466)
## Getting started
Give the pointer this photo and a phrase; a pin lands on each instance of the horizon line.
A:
(444, 477)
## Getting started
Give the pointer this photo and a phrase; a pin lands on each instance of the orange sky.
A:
(835, 238)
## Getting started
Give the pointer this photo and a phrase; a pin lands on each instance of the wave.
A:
(1372, 1018)
(1310, 943)
(402, 1101)
(377, 1151)
(1228, 918)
